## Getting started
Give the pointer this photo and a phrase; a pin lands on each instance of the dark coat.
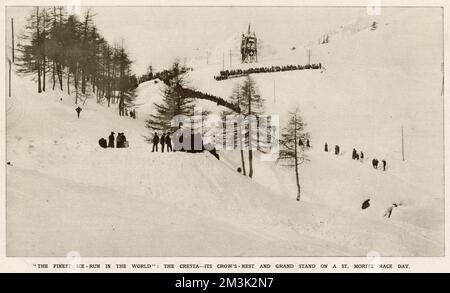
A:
(168, 140)
(162, 140)
(119, 141)
(155, 139)
(365, 204)
(111, 140)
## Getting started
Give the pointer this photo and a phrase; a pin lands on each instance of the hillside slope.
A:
(65, 194)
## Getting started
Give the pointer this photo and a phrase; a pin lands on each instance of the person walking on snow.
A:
(162, 141)
(111, 140)
(354, 154)
(78, 109)
(384, 165)
(155, 142)
(168, 142)
(326, 147)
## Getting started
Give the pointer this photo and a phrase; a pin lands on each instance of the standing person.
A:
(354, 154)
(78, 109)
(362, 155)
(111, 140)
(125, 143)
(155, 142)
(375, 163)
(168, 142)
(336, 150)
(307, 143)
(119, 140)
(162, 141)
(326, 147)
(384, 165)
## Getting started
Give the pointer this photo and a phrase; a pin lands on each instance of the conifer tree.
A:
(292, 152)
(175, 101)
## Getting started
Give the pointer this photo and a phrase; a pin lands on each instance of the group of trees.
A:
(250, 106)
(246, 103)
(57, 45)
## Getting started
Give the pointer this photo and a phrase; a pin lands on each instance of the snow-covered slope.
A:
(66, 193)
(370, 88)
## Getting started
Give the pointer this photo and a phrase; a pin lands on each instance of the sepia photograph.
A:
(224, 131)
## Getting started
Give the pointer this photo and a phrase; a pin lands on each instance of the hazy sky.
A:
(157, 35)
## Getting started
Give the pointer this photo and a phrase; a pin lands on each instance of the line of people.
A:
(301, 143)
(120, 141)
(164, 140)
(225, 74)
(357, 156)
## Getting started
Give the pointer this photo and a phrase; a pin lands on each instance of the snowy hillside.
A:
(66, 193)
(361, 100)
(97, 196)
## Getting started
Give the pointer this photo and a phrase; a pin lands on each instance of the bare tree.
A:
(291, 150)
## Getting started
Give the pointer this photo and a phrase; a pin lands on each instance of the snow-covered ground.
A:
(65, 193)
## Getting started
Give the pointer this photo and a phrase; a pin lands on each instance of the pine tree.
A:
(30, 47)
(175, 101)
(63, 46)
(252, 106)
(236, 98)
(291, 151)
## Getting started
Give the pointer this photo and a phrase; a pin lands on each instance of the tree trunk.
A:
(75, 79)
(68, 81)
(83, 80)
(53, 76)
(241, 145)
(243, 162)
(296, 177)
(39, 76)
(296, 159)
(59, 72)
(250, 152)
(250, 160)
(43, 74)
(38, 58)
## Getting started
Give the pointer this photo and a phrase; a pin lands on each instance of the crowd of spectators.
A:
(226, 74)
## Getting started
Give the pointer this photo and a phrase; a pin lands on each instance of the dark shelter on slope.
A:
(194, 144)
